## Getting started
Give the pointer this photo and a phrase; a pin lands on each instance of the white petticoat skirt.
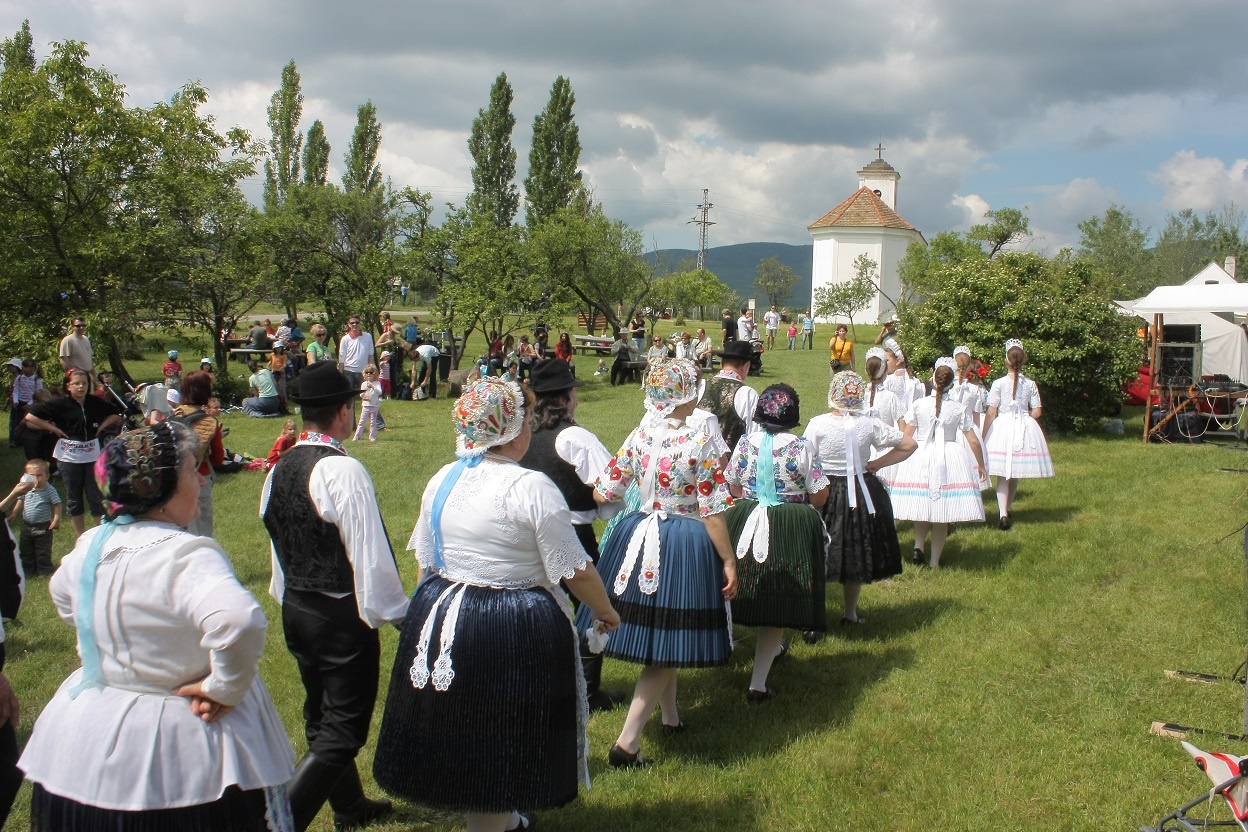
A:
(937, 484)
(1016, 449)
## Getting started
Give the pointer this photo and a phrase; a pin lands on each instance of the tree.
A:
(362, 172)
(1009, 225)
(554, 177)
(1189, 242)
(689, 289)
(18, 52)
(596, 259)
(316, 155)
(843, 299)
(494, 192)
(1114, 248)
(1079, 349)
(921, 269)
(281, 169)
(775, 280)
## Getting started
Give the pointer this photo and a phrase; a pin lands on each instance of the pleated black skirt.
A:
(788, 589)
(504, 734)
(235, 811)
(864, 546)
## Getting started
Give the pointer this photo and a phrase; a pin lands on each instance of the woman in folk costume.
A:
(486, 710)
(881, 403)
(778, 532)
(858, 514)
(669, 565)
(940, 484)
(1016, 445)
(966, 391)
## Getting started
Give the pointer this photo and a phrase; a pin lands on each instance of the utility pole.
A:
(704, 224)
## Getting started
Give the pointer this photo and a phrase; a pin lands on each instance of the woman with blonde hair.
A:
(319, 349)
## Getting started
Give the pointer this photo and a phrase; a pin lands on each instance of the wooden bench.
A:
(583, 321)
(246, 353)
(586, 343)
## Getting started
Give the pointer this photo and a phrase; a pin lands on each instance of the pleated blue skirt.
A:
(684, 622)
(504, 734)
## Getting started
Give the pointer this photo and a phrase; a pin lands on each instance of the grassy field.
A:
(1013, 688)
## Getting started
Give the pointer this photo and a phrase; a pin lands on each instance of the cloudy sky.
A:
(1059, 107)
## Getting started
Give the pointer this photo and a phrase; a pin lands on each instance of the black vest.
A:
(541, 456)
(310, 550)
(718, 399)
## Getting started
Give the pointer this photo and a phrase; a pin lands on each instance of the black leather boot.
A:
(351, 808)
(599, 699)
(310, 787)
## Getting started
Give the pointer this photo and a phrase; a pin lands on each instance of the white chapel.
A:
(865, 222)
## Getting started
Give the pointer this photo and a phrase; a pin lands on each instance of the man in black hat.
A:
(572, 457)
(727, 397)
(335, 576)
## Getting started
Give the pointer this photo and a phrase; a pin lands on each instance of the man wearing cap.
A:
(75, 352)
(574, 458)
(727, 397)
(335, 576)
(888, 337)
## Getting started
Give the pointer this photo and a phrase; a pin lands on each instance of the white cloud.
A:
(1201, 183)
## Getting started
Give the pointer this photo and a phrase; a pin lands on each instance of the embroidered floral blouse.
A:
(688, 480)
(798, 473)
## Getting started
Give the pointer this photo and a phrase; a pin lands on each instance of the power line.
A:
(704, 223)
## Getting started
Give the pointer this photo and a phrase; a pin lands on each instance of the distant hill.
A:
(736, 266)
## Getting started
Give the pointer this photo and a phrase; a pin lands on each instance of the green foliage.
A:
(281, 169)
(775, 280)
(1009, 225)
(686, 290)
(842, 300)
(1189, 242)
(920, 269)
(554, 177)
(1113, 246)
(316, 155)
(17, 54)
(494, 193)
(362, 172)
(1080, 351)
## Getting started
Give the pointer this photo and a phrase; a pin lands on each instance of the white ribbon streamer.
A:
(854, 466)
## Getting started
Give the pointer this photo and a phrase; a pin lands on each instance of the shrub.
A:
(1080, 351)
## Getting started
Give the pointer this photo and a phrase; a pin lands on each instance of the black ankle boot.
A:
(309, 788)
(351, 808)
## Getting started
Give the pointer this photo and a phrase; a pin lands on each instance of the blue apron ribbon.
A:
(439, 502)
(84, 614)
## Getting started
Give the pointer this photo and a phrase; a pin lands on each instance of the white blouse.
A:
(1003, 397)
(886, 406)
(168, 611)
(954, 417)
(826, 433)
(502, 526)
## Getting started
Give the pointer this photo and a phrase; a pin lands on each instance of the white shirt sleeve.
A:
(744, 403)
(585, 452)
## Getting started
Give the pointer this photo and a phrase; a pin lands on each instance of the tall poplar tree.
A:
(494, 193)
(554, 157)
(281, 169)
(18, 52)
(362, 172)
(316, 155)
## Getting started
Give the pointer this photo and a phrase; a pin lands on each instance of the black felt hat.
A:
(323, 384)
(553, 376)
(736, 351)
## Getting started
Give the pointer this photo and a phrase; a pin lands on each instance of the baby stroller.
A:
(756, 357)
(1227, 773)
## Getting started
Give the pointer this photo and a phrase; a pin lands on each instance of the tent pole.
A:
(1153, 361)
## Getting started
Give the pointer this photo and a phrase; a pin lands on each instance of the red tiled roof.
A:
(862, 209)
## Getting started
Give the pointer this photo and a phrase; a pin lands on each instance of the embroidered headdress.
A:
(1012, 343)
(845, 392)
(669, 384)
(961, 350)
(946, 361)
(138, 471)
(490, 412)
(777, 408)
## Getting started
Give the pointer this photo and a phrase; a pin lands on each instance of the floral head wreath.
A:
(777, 408)
(669, 384)
(845, 392)
(138, 471)
(489, 413)
(961, 350)
(1013, 343)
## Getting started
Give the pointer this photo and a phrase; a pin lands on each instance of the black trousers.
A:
(10, 774)
(338, 657)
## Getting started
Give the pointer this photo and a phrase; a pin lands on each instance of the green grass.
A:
(1011, 689)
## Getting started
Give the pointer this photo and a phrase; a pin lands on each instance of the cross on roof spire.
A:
(879, 151)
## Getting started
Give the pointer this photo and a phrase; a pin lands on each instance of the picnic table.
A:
(585, 343)
(244, 353)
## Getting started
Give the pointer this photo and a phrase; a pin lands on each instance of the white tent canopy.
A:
(1208, 300)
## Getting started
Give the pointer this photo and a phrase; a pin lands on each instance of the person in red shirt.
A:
(172, 371)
